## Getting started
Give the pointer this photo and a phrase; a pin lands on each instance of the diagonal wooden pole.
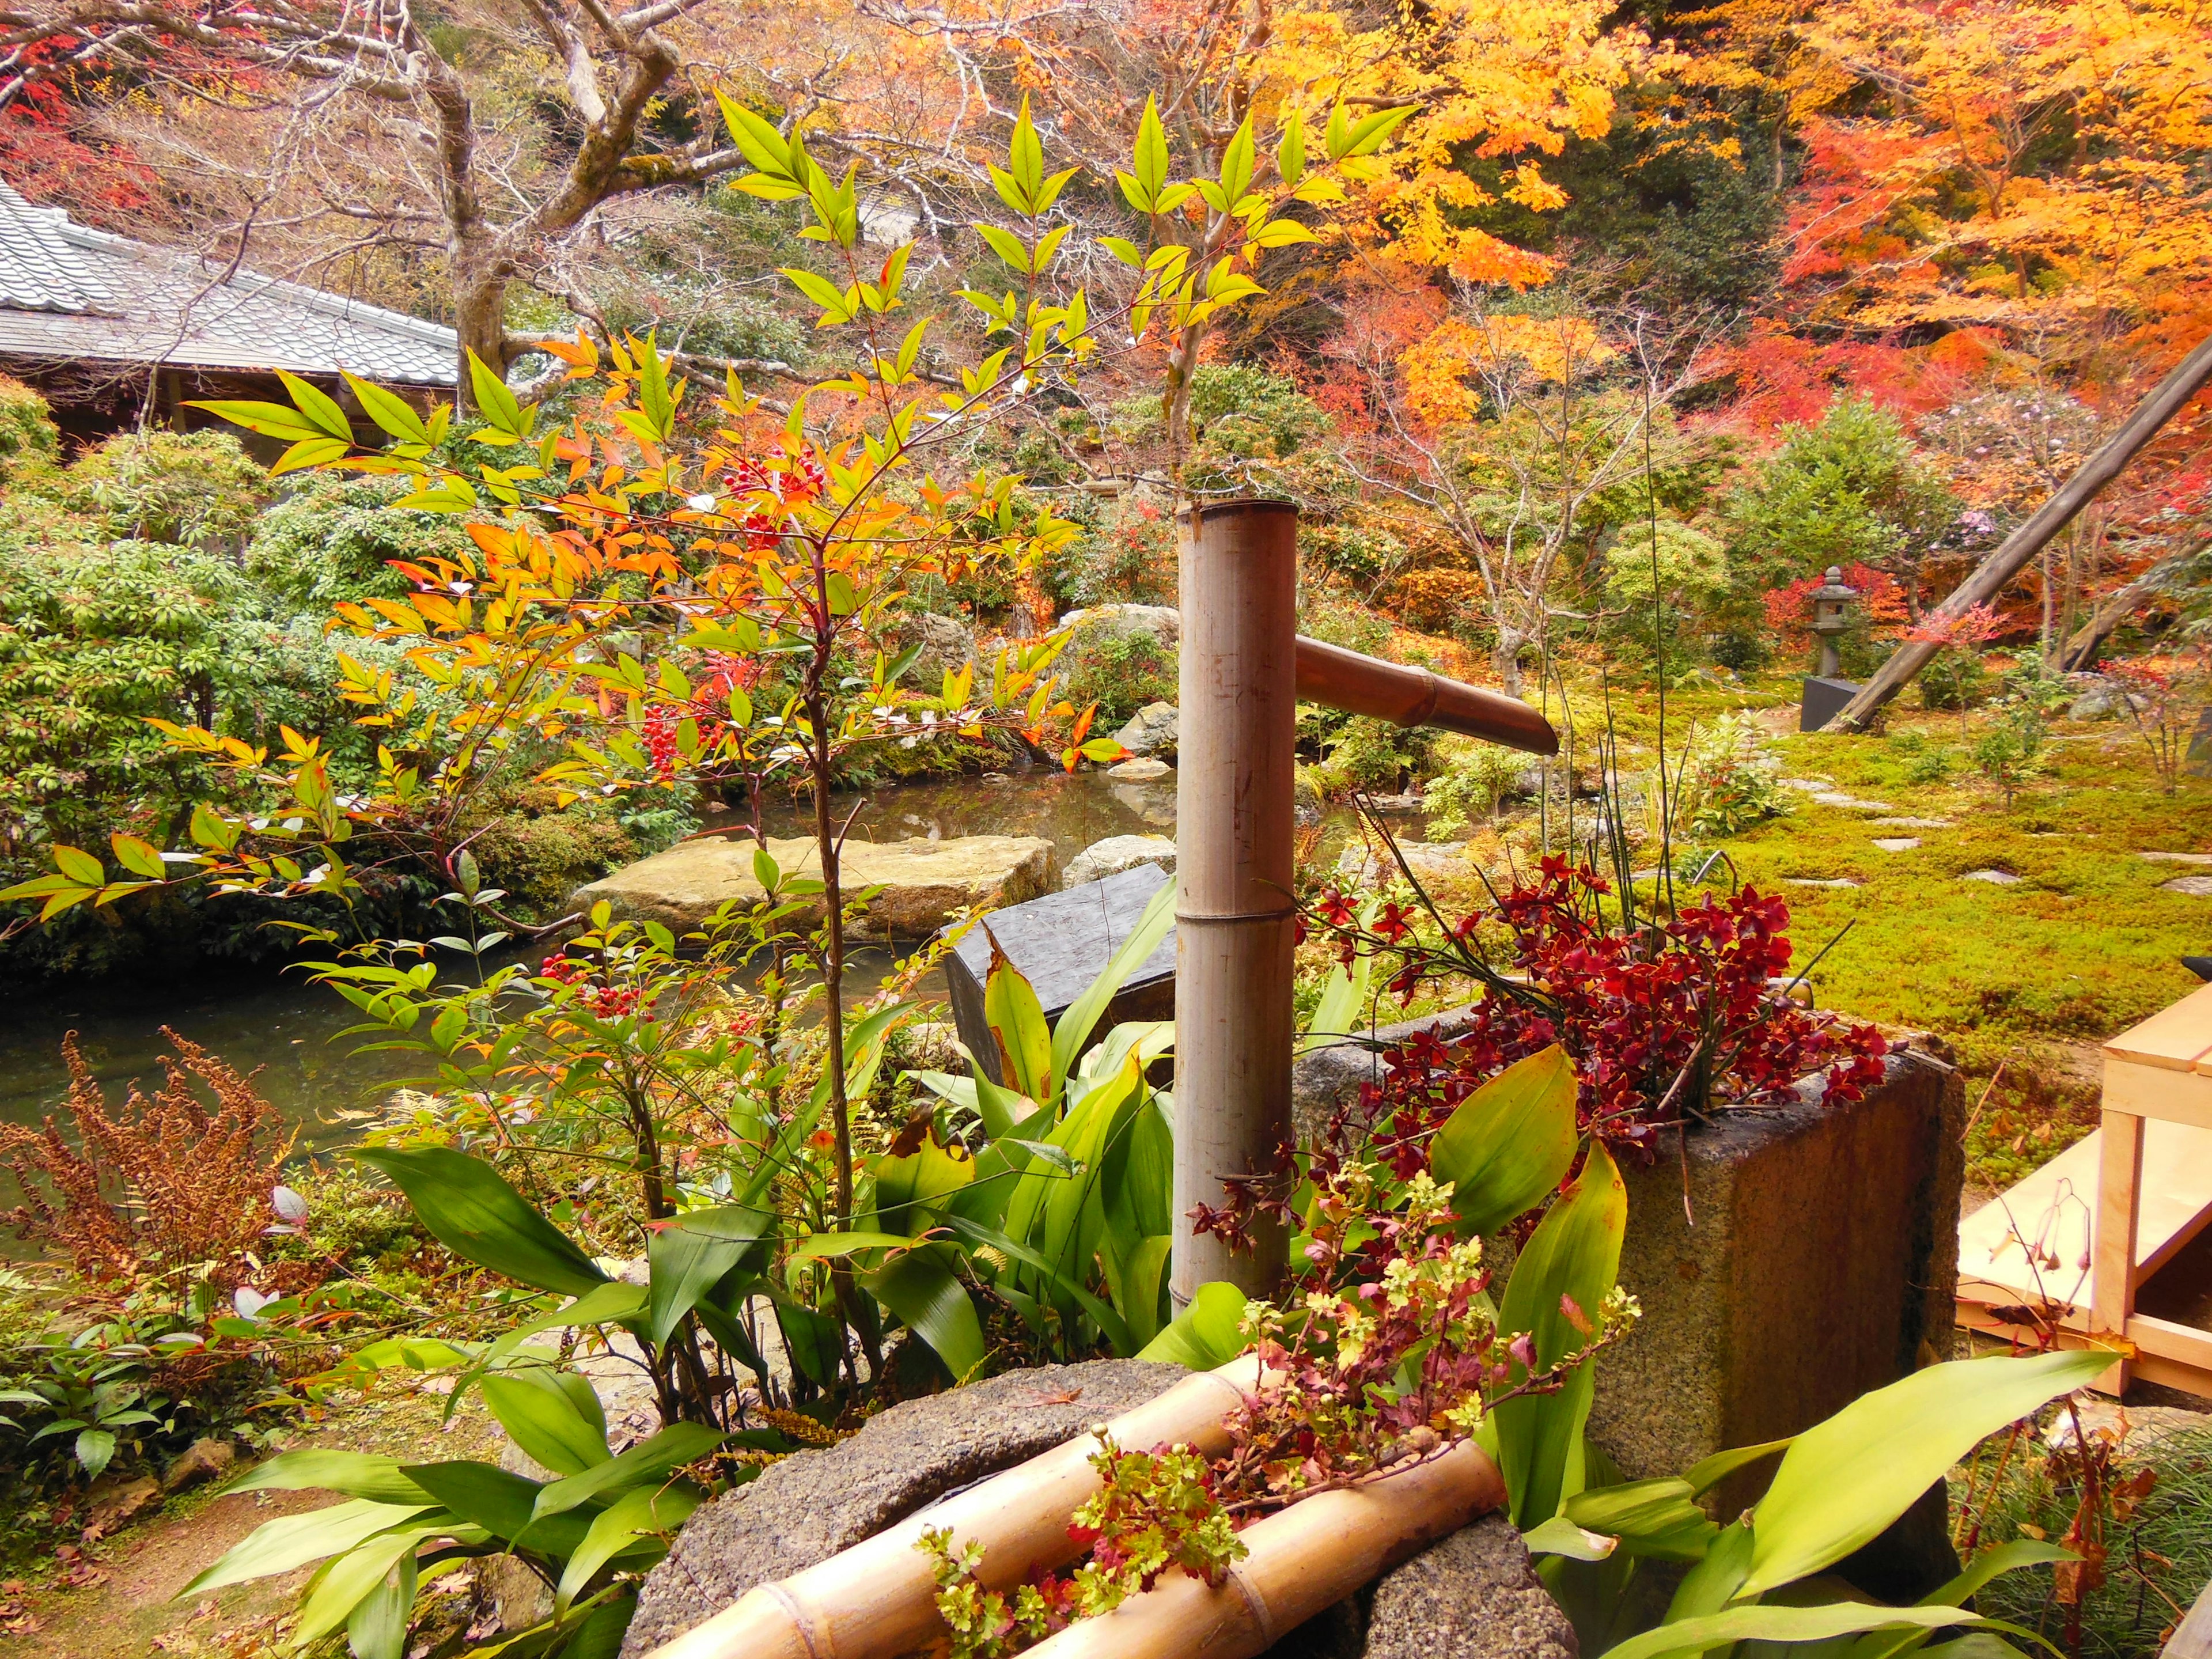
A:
(1990, 578)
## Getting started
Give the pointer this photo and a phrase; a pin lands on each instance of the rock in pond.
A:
(1143, 769)
(1111, 856)
(1474, 1596)
(924, 882)
(1150, 731)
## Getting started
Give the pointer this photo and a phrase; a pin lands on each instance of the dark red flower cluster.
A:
(1665, 1022)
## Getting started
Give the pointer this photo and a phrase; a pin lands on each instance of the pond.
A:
(287, 1028)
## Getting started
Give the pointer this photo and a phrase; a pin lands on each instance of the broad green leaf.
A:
(649, 1462)
(1782, 1623)
(1712, 1584)
(815, 1341)
(357, 1474)
(483, 1494)
(688, 1256)
(293, 1541)
(320, 409)
(936, 1306)
(1708, 1473)
(270, 420)
(1017, 1022)
(1137, 1280)
(1507, 1146)
(95, 1449)
(1560, 1536)
(544, 1412)
(1846, 1478)
(1650, 1517)
(352, 1579)
(907, 1188)
(494, 401)
(1084, 1014)
(1206, 1333)
(393, 413)
(1573, 1252)
(645, 1513)
(377, 1628)
(79, 866)
(479, 1217)
(600, 1636)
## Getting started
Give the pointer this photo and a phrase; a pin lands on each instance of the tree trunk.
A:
(480, 321)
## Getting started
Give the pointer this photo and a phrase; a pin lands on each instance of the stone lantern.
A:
(1831, 615)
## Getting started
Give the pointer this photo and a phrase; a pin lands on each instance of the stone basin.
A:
(925, 882)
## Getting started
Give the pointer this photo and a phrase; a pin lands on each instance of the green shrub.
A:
(1955, 679)
(1120, 670)
(185, 488)
(1128, 558)
(330, 536)
(1471, 788)
(1849, 489)
(30, 443)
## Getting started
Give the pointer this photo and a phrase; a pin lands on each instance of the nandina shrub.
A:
(1668, 1019)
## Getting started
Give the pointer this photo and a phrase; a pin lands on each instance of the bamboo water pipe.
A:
(874, 1600)
(1242, 669)
(1303, 1559)
(1330, 675)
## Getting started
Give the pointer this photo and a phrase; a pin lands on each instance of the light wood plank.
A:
(2112, 1247)
(2170, 1341)
(2155, 1092)
(2175, 1037)
(2176, 1206)
(2192, 1637)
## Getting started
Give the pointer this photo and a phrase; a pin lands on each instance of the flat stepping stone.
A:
(1914, 824)
(1994, 877)
(1811, 785)
(1837, 798)
(1823, 881)
(2177, 858)
(1897, 843)
(1141, 770)
(2194, 886)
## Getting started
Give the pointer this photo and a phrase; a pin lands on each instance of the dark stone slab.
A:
(1061, 943)
(1823, 701)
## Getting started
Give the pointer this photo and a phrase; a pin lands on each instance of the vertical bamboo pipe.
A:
(1235, 910)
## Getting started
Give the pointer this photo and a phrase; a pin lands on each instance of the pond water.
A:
(288, 1028)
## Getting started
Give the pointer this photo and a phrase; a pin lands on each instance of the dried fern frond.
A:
(169, 1181)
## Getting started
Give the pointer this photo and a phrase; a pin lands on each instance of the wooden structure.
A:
(2170, 397)
(2079, 1237)
(1242, 671)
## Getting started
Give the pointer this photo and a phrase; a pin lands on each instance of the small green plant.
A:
(1472, 789)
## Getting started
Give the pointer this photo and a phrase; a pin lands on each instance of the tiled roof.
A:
(72, 292)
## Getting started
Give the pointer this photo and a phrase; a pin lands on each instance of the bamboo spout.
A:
(1413, 696)
(874, 1600)
(1303, 1560)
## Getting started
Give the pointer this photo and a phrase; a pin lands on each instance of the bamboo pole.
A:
(1236, 798)
(1359, 684)
(1303, 1559)
(1989, 580)
(875, 1601)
